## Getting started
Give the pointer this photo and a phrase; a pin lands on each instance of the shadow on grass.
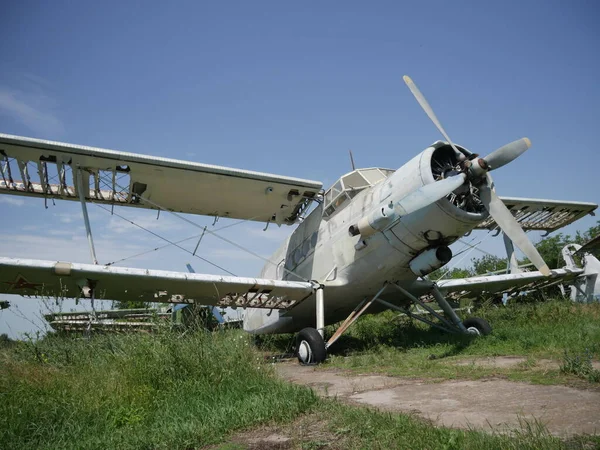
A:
(372, 332)
(404, 337)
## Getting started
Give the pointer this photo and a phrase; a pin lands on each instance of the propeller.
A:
(477, 173)
(429, 111)
(507, 153)
(511, 227)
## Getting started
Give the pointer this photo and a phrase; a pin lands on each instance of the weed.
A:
(580, 364)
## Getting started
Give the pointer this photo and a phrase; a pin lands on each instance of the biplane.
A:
(366, 244)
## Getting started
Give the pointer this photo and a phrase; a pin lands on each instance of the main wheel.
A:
(478, 326)
(310, 347)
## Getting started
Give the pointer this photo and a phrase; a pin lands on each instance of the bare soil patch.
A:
(307, 432)
(492, 404)
(507, 362)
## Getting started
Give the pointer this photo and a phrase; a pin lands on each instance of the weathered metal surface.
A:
(107, 314)
(506, 284)
(115, 177)
(543, 215)
(592, 246)
(46, 278)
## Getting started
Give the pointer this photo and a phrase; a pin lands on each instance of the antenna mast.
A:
(352, 160)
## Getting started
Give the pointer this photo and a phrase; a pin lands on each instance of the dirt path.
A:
(495, 403)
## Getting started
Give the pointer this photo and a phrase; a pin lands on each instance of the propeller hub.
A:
(477, 168)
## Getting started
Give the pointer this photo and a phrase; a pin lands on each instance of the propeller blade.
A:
(507, 153)
(511, 227)
(429, 111)
(428, 194)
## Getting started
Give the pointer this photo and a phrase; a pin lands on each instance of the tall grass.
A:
(138, 391)
(396, 345)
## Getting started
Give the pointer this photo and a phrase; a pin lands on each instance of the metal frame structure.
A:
(451, 323)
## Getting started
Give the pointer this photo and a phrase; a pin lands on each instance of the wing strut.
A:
(244, 249)
(86, 219)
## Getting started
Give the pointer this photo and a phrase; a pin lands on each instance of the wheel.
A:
(478, 326)
(310, 347)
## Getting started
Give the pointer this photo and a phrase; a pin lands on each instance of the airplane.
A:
(366, 246)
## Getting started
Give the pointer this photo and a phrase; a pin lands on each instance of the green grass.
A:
(367, 428)
(138, 391)
(335, 425)
(393, 344)
(169, 390)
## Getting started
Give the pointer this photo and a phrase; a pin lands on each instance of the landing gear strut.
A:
(310, 342)
(447, 319)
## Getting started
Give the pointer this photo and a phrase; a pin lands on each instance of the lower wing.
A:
(497, 285)
(39, 278)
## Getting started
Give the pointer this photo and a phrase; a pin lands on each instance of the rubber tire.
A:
(482, 325)
(316, 344)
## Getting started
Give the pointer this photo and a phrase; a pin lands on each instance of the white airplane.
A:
(367, 245)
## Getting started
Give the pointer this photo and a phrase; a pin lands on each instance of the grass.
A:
(169, 390)
(581, 366)
(367, 428)
(539, 332)
(138, 391)
(335, 425)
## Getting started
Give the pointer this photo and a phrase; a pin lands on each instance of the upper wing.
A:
(544, 215)
(73, 280)
(48, 169)
(509, 283)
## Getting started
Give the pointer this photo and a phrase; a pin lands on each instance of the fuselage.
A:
(353, 268)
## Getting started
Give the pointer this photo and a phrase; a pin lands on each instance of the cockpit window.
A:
(351, 184)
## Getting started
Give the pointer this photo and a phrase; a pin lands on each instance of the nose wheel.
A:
(310, 347)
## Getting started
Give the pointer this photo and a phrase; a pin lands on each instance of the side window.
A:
(289, 263)
(306, 248)
(313, 239)
(297, 255)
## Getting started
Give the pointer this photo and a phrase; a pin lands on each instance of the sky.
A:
(288, 88)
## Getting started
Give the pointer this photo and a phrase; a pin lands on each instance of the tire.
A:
(310, 347)
(477, 325)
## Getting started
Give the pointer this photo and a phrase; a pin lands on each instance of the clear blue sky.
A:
(288, 89)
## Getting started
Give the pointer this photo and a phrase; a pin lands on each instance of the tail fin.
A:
(586, 288)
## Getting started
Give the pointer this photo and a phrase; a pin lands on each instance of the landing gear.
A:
(310, 347)
(447, 319)
(477, 326)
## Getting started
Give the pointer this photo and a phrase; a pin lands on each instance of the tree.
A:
(453, 273)
(487, 264)
(551, 248)
(591, 233)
